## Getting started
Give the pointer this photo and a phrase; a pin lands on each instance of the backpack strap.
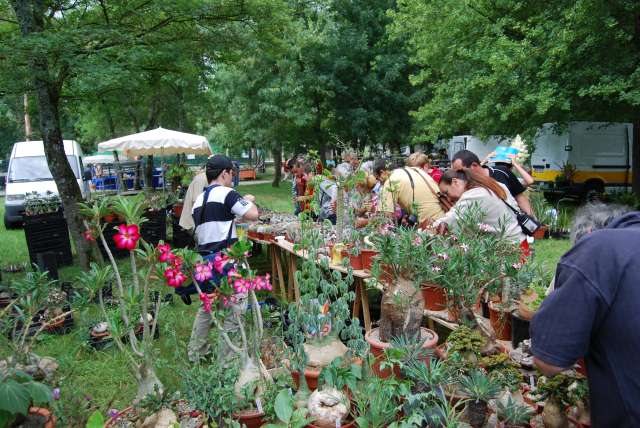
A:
(413, 187)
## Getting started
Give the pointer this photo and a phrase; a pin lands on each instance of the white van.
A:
(28, 172)
(481, 148)
(599, 151)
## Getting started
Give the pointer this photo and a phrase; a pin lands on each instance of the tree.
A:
(62, 50)
(508, 67)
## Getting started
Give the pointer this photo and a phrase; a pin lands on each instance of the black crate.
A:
(48, 233)
(154, 229)
(181, 238)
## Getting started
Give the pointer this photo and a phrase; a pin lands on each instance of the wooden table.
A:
(282, 247)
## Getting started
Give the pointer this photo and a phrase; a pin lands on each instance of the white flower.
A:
(436, 268)
(464, 247)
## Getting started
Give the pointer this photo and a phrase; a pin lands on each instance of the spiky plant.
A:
(480, 389)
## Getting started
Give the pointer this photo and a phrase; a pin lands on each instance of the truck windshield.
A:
(35, 168)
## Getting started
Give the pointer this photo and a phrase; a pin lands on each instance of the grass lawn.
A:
(103, 375)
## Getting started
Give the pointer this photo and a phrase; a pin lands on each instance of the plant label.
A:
(259, 405)
(532, 382)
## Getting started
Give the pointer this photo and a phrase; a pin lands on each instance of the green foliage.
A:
(18, 391)
(479, 387)
(36, 204)
(514, 414)
(501, 68)
(96, 420)
(464, 340)
(563, 388)
(288, 416)
(376, 401)
(503, 371)
(210, 389)
(339, 374)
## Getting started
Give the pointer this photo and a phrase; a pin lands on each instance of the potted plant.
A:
(472, 261)
(513, 415)
(479, 388)
(398, 269)
(54, 308)
(321, 319)
(557, 396)
(463, 348)
(376, 402)
(45, 227)
(178, 175)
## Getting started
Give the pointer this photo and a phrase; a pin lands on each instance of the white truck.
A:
(28, 172)
(598, 155)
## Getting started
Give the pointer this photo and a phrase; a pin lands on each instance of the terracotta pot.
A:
(435, 297)
(367, 258)
(177, 210)
(350, 424)
(540, 233)
(250, 418)
(310, 375)
(500, 321)
(354, 260)
(378, 347)
(49, 419)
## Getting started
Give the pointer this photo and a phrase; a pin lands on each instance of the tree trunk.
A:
(148, 173)
(635, 162)
(277, 165)
(147, 380)
(47, 89)
(635, 156)
(401, 310)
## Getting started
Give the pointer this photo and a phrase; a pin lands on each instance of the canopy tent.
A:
(100, 157)
(158, 142)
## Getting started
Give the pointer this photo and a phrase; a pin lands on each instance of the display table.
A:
(281, 247)
(248, 174)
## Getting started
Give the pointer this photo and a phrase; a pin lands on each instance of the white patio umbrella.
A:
(158, 142)
(101, 157)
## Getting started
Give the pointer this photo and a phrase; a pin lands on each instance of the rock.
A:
(100, 327)
(48, 366)
(321, 354)
(328, 406)
(165, 418)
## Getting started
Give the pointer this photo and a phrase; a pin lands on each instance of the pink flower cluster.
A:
(173, 273)
(243, 285)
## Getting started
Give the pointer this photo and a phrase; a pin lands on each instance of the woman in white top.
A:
(466, 187)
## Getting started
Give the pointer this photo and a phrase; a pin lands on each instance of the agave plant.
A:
(480, 389)
(513, 414)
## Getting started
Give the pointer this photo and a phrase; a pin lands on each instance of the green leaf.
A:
(40, 393)
(96, 420)
(6, 419)
(14, 397)
(284, 406)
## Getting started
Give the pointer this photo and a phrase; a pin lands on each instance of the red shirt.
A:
(436, 174)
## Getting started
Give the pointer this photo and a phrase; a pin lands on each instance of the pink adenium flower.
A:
(164, 248)
(203, 271)
(88, 235)
(219, 262)
(206, 302)
(127, 238)
(417, 241)
(241, 286)
(262, 283)
(175, 278)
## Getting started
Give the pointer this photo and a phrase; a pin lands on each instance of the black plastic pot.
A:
(154, 229)
(181, 237)
(48, 262)
(48, 233)
(519, 329)
(110, 230)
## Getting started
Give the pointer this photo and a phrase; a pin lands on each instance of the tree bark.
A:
(635, 156)
(277, 164)
(30, 14)
(148, 173)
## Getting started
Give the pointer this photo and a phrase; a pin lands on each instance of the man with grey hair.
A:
(594, 313)
(349, 165)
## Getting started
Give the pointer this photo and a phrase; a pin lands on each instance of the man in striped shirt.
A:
(214, 214)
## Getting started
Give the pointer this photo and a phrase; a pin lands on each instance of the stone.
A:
(165, 418)
(48, 366)
(327, 406)
(321, 354)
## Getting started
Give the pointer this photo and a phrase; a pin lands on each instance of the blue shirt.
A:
(595, 313)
